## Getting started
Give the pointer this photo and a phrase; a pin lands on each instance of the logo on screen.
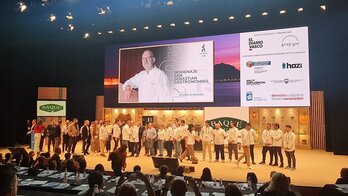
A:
(257, 63)
(51, 108)
(254, 82)
(203, 51)
(253, 44)
(286, 81)
(291, 65)
(290, 41)
(249, 96)
(203, 48)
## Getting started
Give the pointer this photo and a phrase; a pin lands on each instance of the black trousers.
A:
(290, 155)
(41, 142)
(169, 147)
(85, 145)
(51, 140)
(252, 155)
(264, 151)
(65, 142)
(72, 144)
(116, 142)
(277, 150)
(108, 143)
(219, 149)
(232, 148)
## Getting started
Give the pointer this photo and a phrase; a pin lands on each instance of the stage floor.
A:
(314, 167)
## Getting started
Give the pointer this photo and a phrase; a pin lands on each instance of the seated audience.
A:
(123, 186)
(28, 159)
(232, 190)
(136, 168)
(99, 168)
(178, 187)
(118, 159)
(127, 189)
(8, 158)
(72, 165)
(82, 164)
(63, 164)
(52, 165)
(206, 175)
(40, 163)
(163, 172)
(344, 177)
(265, 185)
(180, 171)
(8, 180)
(279, 185)
(95, 183)
(55, 156)
(252, 177)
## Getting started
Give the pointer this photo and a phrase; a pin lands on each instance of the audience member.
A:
(8, 158)
(52, 165)
(232, 190)
(40, 163)
(178, 186)
(8, 180)
(344, 177)
(180, 171)
(99, 168)
(265, 185)
(279, 185)
(95, 183)
(252, 177)
(118, 159)
(136, 168)
(82, 164)
(206, 175)
(55, 157)
(163, 172)
(123, 186)
(63, 164)
(127, 189)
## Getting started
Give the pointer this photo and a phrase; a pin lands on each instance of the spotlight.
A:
(146, 27)
(231, 17)
(300, 9)
(99, 33)
(247, 16)
(22, 7)
(52, 18)
(200, 21)
(264, 13)
(71, 27)
(215, 19)
(159, 26)
(323, 7)
(186, 22)
(69, 16)
(172, 24)
(86, 35)
(110, 32)
(121, 30)
(170, 2)
(282, 12)
(134, 29)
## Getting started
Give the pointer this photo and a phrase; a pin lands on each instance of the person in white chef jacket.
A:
(152, 83)
(289, 145)
(277, 144)
(267, 144)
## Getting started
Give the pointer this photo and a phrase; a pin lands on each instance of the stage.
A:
(314, 167)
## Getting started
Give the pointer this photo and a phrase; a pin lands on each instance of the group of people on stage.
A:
(98, 136)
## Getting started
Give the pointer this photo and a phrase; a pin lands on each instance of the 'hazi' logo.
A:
(291, 66)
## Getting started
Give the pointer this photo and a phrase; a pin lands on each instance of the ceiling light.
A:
(22, 7)
(61, 28)
(323, 7)
(86, 35)
(101, 11)
(170, 2)
(52, 18)
(110, 32)
(300, 9)
(44, 2)
(172, 24)
(71, 27)
(69, 16)
(159, 26)
(146, 27)
(186, 22)
(231, 17)
(264, 13)
(215, 19)
(200, 21)
(99, 33)
(121, 30)
(282, 12)
(247, 16)
(134, 29)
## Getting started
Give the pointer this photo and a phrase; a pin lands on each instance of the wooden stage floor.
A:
(314, 167)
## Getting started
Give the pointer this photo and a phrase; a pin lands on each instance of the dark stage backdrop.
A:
(29, 61)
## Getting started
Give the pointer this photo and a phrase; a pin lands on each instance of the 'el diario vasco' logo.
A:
(51, 108)
(255, 44)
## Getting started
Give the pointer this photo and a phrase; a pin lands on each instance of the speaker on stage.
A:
(171, 163)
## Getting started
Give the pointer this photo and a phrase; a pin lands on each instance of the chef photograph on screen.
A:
(150, 85)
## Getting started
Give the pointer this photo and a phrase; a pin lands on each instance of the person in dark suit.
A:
(86, 137)
(344, 177)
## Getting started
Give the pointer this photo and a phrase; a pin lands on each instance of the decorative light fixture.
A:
(21, 6)
(101, 11)
(134, 29)
(159, 26)
(71, 27)
(282, 12)
(247, 15)
(200, 21)
(323, 7)
(52, 18)
(186, 22)
(170, 2)
(99, 33)
(300, 9)
(215, 19)
(69, 16)
(230, 17)
(264, 13)
(121, 30)
(44, 2)
(110, 32)
(146, 27)
(86, 35)
(172, 24)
